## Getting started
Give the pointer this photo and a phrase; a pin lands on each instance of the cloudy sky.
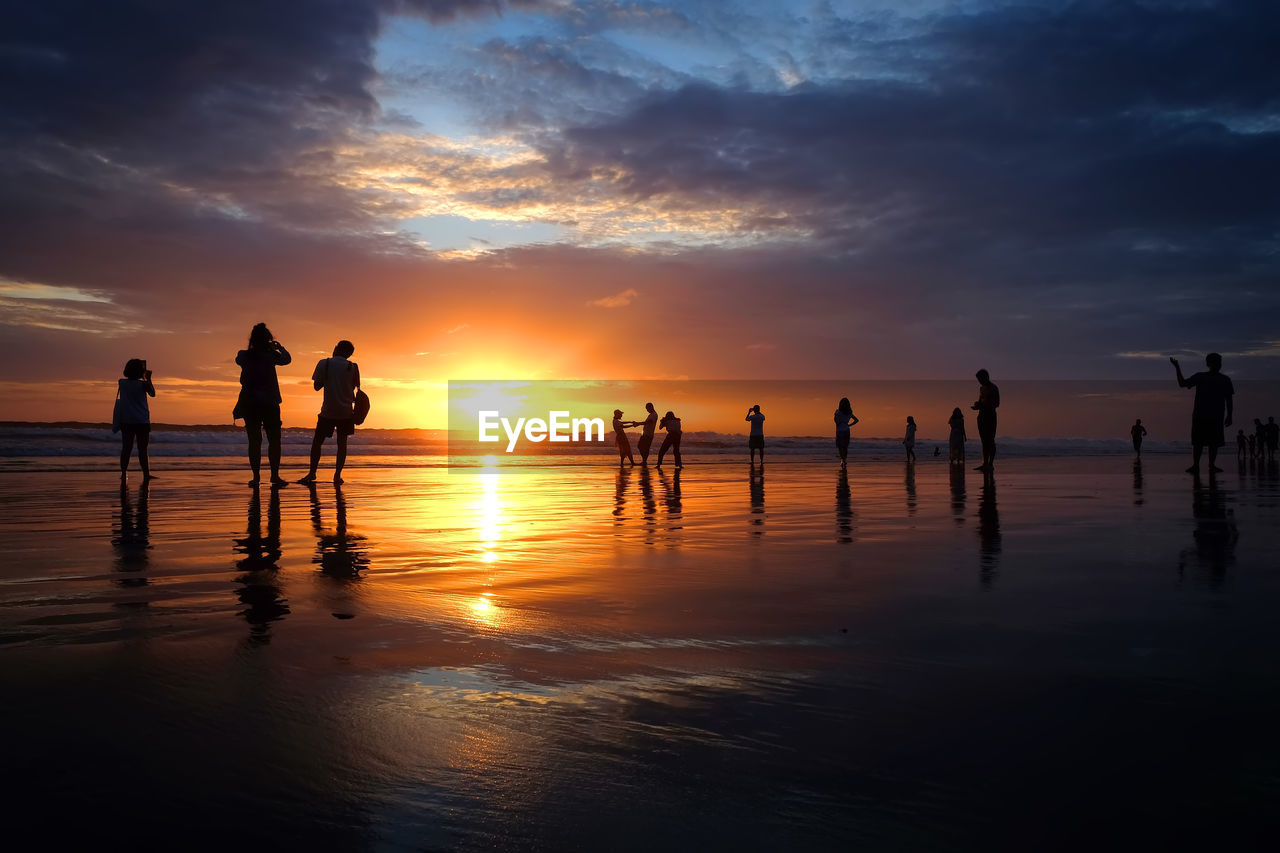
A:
(606, 189)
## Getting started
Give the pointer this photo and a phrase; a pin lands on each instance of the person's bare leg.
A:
(1196, 450)
(143, 441)
(317, 443)
(126, 450)
(255, 452)
(273, 456)
(1213, 459)
(341, 459)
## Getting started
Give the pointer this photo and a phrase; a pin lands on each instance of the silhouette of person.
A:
(132, 539)
(1242, 446)
(260, 399)
(1259, 442)
(756, 484)
(755, 441)
(957, 438)
(988, 528)
(648, 428)
(620, 437)
(671, 424)
(1213, 396)
(844, 418)
(909, 441)
(986, 404)
(339, 377)
(1273, 438)
(1137, 432)
(844, 508)
(132, 416)
(259, 590)
(1253, 447)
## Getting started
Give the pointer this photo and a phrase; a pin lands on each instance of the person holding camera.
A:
(259, 402)
(132, 416)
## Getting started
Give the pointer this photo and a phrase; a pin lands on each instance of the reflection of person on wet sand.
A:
(620, 437)
(259, 590)
(957, 494)
(132, 538)
(844, 418)
(988, 528)
(1215, 532)
(756, 484)
(341, 555)
(620, 492)
(844, 508)
(1137, 432)
(1213, 398)
(987, 403)
(671, 424)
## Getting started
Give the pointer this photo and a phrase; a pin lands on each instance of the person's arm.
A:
(240, 358)
(282, 355)
(853, 419)
(1182, 382)
(151, 389)
(318, 375)
(357, 369)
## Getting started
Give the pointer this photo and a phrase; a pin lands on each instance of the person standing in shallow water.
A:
(259, 402)
(1214, 393)
(339, 377)
(133, 415)
(956, 440)
(648, 429)
(671, 424)
(1137, 431)
(844, 418)
(909, 441)
(755, 441)
(987, 403)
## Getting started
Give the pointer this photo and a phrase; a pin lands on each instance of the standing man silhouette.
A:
(987, 403)
(339, 378)
(647, 430)
(1213, 398)
(756, 440)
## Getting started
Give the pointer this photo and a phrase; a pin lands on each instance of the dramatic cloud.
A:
(794, 187)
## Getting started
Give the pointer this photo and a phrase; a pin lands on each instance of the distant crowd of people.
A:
(344, 406)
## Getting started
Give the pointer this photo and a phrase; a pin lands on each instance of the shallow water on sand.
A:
(1074, 652)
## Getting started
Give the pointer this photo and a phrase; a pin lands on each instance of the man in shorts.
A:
(1213, 400)
(339, 377)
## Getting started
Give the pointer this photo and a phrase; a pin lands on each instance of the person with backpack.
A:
(339, 378)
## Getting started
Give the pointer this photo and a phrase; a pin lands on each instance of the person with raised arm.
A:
(132, 417)
(1211, 412)
(671, 424)
(647, 431)
(260, 399)
(756, 440)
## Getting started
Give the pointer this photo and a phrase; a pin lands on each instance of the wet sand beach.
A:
(1074, 653)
